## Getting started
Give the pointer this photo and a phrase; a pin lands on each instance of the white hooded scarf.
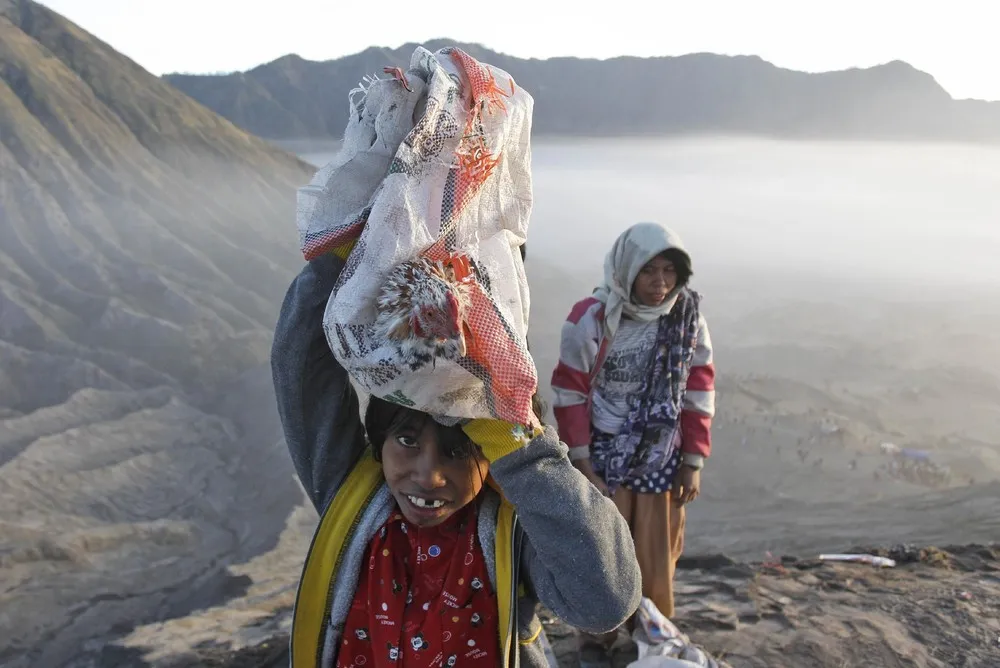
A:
(628, 255)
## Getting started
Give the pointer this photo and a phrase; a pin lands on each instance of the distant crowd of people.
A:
(900, 466)
(918, 471)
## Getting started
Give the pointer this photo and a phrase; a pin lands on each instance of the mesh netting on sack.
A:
(432, 186)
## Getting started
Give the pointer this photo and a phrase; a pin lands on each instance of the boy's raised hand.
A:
(497, 438)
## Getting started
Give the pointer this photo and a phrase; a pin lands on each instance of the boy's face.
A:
(428, 485)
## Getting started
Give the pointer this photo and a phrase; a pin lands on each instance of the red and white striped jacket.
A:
(583, 344)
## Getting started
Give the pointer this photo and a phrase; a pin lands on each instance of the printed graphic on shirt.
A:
(453, 616)
(622, 374)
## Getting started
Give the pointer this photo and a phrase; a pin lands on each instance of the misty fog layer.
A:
(871, 210)
(903, 213)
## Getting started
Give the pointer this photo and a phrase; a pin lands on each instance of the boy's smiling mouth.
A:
(424, 511)
(421, 502)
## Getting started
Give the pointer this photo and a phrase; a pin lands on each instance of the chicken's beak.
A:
(462, 348)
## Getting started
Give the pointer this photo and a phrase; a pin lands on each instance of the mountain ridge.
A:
(699, 93)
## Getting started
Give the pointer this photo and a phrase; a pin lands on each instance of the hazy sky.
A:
(956, 42)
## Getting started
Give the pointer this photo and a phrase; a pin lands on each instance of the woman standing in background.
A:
(635, 397)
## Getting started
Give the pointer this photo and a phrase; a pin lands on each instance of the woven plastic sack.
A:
(433, 188)
(662, 645)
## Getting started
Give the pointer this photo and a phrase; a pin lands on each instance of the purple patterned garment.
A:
(645, 450)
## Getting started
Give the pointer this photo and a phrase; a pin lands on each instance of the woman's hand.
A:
(687, 485)
(587, 469)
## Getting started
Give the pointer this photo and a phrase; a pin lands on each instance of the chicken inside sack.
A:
(423, 309)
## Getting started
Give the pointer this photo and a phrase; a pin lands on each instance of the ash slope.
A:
(145, 243)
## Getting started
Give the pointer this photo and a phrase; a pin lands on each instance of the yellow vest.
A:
(334, 534)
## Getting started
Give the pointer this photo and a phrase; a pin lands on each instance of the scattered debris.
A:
(773, 565)
(872, 559)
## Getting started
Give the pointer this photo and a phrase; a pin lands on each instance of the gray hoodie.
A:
(576, 553)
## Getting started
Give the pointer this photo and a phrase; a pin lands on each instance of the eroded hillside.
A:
(145, 243)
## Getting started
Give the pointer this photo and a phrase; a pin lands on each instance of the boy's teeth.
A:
(424, 503)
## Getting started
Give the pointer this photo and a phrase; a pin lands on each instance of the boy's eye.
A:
(406, 440)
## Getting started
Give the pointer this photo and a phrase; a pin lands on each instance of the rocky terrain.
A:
(938, 608)
(144, 250)
(702, 93)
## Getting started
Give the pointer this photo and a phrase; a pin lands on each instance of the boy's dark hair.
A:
(681, 262)
(384, 419)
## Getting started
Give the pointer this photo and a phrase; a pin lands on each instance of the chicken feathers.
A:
(423, 308)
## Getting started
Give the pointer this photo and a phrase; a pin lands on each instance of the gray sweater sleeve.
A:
(316, 403)
(579, 553)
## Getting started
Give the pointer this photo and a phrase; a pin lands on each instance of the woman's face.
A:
(428, 485)
(655, 281)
